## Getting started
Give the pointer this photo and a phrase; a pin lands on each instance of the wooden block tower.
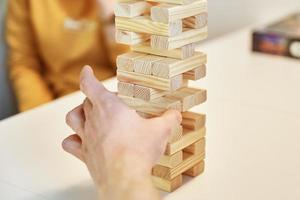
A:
(153, 77)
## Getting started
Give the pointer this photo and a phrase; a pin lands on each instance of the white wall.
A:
(228, 15)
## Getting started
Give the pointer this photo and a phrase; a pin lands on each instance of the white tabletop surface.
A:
(252, 139)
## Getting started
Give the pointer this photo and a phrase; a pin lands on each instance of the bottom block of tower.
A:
(196, 169)
(167, 185)
(169, 179)
(189, 137)
(170, 173)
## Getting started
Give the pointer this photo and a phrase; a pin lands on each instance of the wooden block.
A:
(169, 67)
(200, 95)
(167, 12)
(189, 36)
(158, 106)
(189, 137)
(193, 121)
(143, 24)
(144, 64)
(125, 61)
(147, 94)
(196, 148)
(186, 99)
(180, 53)
(196, 22)
(171, 84)
(125, 89)
(130, 38)
(195, 74)
(132, 8)
(196, 170)
(172, 160)
(170, 173)
(166, 185)
(180, 2)
(190, 120)
(176, 134)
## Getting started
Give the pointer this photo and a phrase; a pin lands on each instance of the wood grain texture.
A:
(171, 84)
(167, 185)
(193, 121)
(144, 64)
(186, 99)
(130, 38)
(125, 61)
(167, 12)
(170, 173)
(188, 36)
(125, 89)
(196, 170)
(147, 94)
(180, 53)
(196, 22)
(169, 67)
(195, 74)
(158, 105)
(189, 137)
(143, 24)
(171, 160)
(200, 95)
(176, 134)
(197, 147)
(180, 2)
(131, 9)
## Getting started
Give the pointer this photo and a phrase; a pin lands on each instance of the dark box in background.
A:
(280, 38)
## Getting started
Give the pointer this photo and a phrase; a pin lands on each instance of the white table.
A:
(252, 140)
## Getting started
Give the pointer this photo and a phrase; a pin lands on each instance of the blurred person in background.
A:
(50, 40)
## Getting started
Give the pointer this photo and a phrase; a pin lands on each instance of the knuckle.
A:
(69, 118)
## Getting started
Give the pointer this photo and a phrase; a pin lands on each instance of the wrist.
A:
(131, 163)
(126, 173)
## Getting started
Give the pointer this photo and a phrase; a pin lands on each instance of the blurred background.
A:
(224, 17)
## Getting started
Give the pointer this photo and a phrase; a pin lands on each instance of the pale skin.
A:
(118, 146)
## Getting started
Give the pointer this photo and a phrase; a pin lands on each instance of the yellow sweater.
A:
(49, 42)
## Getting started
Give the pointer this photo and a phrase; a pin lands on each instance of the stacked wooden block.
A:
(153, 76)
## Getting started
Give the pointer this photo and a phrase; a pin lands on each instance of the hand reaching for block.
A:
(118, 146)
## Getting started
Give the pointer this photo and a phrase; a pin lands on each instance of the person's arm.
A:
(23, 59)
(117, 145)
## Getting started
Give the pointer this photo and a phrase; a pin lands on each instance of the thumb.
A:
(172, 117)
(72, 145)
(166, 122)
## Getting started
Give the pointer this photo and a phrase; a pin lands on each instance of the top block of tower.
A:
(168, 12)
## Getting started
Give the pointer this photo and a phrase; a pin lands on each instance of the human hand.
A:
(113, 140)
